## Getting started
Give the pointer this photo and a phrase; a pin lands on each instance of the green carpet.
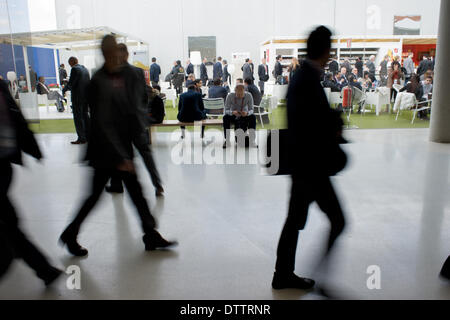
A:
(278, 121)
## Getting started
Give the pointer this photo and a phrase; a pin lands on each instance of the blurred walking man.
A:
(321, 158)
(114, 100)
(141, 141)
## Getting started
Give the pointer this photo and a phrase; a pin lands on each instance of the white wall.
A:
(239, 25)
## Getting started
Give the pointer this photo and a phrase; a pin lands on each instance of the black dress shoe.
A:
(291, 281)
(78, 142)
(50, 276)
(156, 241)
(73, 246)
(159, 192)
(111, 189)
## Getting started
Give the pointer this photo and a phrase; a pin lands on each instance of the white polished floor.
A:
(227, 218)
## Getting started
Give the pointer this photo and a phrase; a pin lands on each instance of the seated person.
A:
(355, 73)
(198, 83)
(341, 78)
(190, 107)
(190, 80)
(427, 86)
(414, 86)
(329, 82)
(428, 73)
(239, 110)
(253, 90)
(366, 81)
(354, 83)
(155, 107)
(217, 91)
(42, 88)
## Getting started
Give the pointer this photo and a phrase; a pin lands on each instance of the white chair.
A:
(426, 104)
(43, 99)
(171, 94)
(260, 111)
(214, 107)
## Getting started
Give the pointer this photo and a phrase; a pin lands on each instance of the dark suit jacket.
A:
(312, 141)
(217, 70)
(359, 65)
(203, 74)
(190, 107)
(278, 71)
(156, 108)
(217, 92)
(155, 71)
(25, 140)
(424, 65)
(190, 69)
(256, 94)
(78, 83)
(226, 75)
(262, 72)
(332, 85)
(114, 101)
(333, 66)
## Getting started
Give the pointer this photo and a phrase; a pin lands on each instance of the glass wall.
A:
(366, 33)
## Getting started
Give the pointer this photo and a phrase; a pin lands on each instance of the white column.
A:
(55, 58)
(440, 112)
(27, 69)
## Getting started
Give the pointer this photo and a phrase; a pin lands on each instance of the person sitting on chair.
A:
(51, 95)
(191, 108)
(217, 91)
(353, 82)
(155, 107)
(329, 82)
(253, 90)
(239, 110)
(190, 80)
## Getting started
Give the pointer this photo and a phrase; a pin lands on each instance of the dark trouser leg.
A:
(252, 128)
(78, 120)
(296, 219)
(183, 131)
(116, 181)
(21, 246)
(143, 146)
(99, 180)
(135, 191)
(227, 121)
(81, 119)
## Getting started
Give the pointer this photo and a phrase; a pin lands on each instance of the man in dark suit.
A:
(141, 139)
(16, 138)
(191, 108)
(278, 70)
(333, 66)
(424, 65)
(155, 72)
(114, 98)
(217, 91)
(226, 74)
(263, 74)
(247, 72)
(204, 72)
(189, 68)
(317, 142)
(217, 69)
(359, 66)
(78, 82)
(253, 90)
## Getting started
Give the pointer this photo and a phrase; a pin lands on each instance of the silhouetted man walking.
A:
(320, 158)
(114, 101)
